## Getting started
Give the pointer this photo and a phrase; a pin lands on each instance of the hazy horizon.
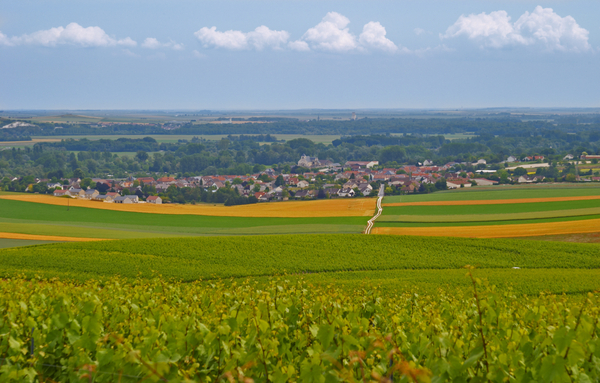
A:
(293, 55)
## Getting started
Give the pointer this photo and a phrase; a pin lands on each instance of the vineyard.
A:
(282, 331)
(392, 261)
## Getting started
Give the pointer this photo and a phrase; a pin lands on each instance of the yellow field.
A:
(33, 141)
(493, 201)
(47, 237)
(497, 231)
(350, 207)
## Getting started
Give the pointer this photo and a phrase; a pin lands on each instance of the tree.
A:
(392, 153)
(441, 184)
(141, 156)
(78, 173)
(279, 181)
(85, 183)
(520, 171)
(223, 144)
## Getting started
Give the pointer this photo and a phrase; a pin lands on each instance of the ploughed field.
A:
(301, 308)
(517, 211)
(42, 221)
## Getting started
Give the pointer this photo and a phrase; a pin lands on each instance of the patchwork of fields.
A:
(36, 221)
(517, 211)
(342, 207)
(288, 307)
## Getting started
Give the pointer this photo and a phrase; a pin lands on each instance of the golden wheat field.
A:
(493, 201)
(497, 231)
(348, 207)
(47, 237)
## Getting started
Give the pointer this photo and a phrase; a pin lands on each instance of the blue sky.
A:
(287, 54)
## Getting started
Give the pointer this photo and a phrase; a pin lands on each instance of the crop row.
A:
(154, 330)
(222, 257)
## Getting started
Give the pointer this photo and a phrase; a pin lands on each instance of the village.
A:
(324, 180)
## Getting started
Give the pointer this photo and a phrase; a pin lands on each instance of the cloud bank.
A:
(259, 39)
(331, 34)
(543, 27)
(72, 34)
(152, 43)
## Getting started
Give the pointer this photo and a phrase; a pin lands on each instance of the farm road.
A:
(371, 222)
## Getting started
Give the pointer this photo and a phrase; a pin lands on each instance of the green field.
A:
(41, 219)
(502, 192)
(583, 213)
(495, 209)
(5, 243)
(393, 261)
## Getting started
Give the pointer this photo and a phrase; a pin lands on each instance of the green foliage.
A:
(153, 330)
(190, 259)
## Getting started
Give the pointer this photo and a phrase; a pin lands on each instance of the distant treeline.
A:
(13, 136)
(147, 144)
(366, 126)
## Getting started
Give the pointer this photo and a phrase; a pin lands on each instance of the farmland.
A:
(35, 219)
(288, 307)
(503, 192)
(518, 211)
(289, 331)
(356, 207)
(390, 260)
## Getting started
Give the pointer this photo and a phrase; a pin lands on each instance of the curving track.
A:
(371, 222)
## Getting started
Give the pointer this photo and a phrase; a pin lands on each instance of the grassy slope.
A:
(34, 218)
(503, 192)
(392, 260)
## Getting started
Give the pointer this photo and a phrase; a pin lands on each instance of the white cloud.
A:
(555, 32)
(262, 37)
(299, 45)
(331, 34)
(373, 36)
(72, 34)
(541, 27)
(152, 43)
